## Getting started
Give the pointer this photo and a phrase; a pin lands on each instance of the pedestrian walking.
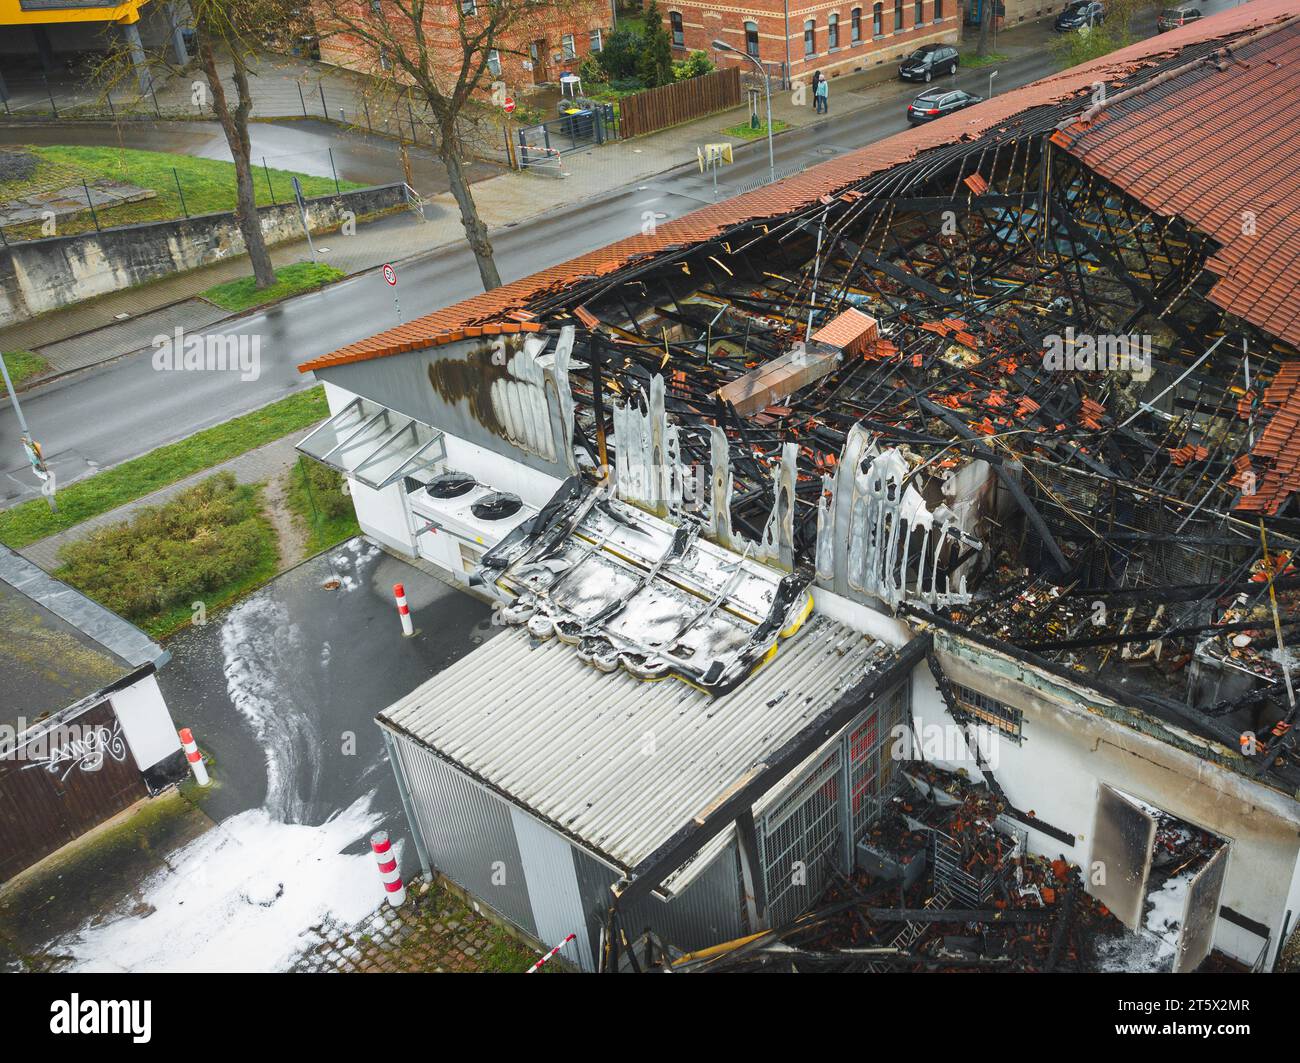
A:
(821, 93)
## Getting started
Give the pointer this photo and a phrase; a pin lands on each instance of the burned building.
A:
(1014, 398)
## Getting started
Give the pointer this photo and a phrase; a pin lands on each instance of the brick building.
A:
(836, 38)
(536, 51)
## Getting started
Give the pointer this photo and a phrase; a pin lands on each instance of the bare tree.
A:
(230, 29)
(986, 20)
(226, 33)
(440, 53)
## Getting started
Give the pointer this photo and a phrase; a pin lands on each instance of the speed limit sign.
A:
(390, 274)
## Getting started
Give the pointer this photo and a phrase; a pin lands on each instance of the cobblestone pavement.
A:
(434, 931)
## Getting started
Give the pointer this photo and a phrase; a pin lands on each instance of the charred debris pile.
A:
(1041, 353)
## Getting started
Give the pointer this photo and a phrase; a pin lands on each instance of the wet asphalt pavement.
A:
(282, 689)
(309, 146)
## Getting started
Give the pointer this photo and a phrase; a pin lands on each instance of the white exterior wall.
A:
(381, 514)
(146, 722)
(386, 516)
(1070, 747)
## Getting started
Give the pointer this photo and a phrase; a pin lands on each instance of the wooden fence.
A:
(669, 105)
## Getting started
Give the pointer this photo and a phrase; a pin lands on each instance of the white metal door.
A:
(553, 888)
(1122, 839)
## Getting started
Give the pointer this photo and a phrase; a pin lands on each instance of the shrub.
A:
(655, 65)
(618, 59)
(208, 537)
(694, 65)
(591, 72)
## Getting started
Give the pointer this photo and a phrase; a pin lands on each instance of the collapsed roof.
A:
(1030, 372)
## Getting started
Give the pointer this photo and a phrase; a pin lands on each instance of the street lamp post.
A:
(722, 46)
(991, 77)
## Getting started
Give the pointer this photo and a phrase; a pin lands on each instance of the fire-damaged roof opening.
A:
(1020, 388)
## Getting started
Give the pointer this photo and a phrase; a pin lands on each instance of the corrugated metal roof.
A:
(493, 309)
(614, 762)
(1217, 147)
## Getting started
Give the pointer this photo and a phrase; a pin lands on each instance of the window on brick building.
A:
(567, 47)
(938, 10)
(810, 37)
(855, 25)
(494, 62)
(832, 31)
(675, 20)
(918, 14)
(898, 16)
(468, 7)
(751, 38)
(878, 20)
(594, 43)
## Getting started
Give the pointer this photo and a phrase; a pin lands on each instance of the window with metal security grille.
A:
(679, 34)
(801, 842)
(815, 824)
(1007, 719)
(869, 752)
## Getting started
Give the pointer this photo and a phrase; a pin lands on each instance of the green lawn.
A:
(24, 524)
(317, 499)
(744, 132)
(23, 366)
(208, 185)
(300, 277)
(970, 59)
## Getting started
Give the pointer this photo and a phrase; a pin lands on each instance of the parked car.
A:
(1079, 14)
(1173, 17)
(924, 63)
(935, 103)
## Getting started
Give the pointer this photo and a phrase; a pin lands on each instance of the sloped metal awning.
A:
(374, 445)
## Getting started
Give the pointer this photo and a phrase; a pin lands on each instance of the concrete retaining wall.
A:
(43, 275)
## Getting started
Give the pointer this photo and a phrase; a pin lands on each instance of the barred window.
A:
(997, 714)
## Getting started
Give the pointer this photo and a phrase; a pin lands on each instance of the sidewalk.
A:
(262, 465)
(89, 333)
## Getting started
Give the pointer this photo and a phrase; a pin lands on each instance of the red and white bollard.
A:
(550, 954)
(195, 758)
(403, 610)
(386, 858)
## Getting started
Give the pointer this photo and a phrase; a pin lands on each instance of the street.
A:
(117, 411)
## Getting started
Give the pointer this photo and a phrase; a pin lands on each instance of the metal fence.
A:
(78, 196)
(37, 97)
(590, 125)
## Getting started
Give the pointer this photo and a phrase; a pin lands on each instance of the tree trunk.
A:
(986, 20)
(234, 124)
(475, 231)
